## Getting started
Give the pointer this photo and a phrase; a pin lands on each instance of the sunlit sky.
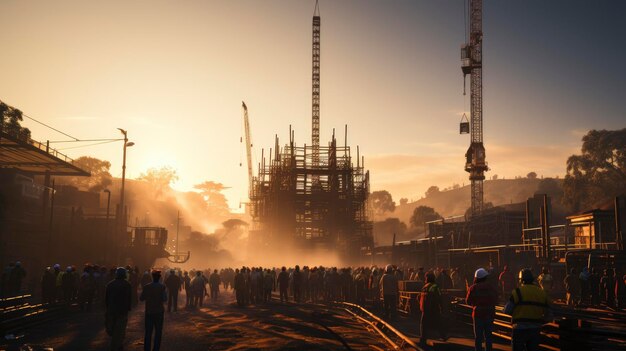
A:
(173, 73)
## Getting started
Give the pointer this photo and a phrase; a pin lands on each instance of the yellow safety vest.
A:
(530, 304)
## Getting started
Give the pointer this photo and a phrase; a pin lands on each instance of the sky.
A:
(174, 73)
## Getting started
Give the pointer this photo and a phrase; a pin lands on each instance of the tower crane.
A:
(471, 63)
(246, 124)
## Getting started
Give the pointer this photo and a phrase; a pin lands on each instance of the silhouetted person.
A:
(594, 287)
(48, 286)
(154, 295)
(283, 284)
(506, 282)
(389, 290)
(607, 284)
(585, 289)
(297, 284)
(117, 302)
(572, 288)
(214, 285)
(188, 291)
(15, 278)
(483, 299)
(431, 307)
(173, 284)
(198, 286)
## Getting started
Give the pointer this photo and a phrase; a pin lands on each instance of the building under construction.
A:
(310, 205)
(310, 199)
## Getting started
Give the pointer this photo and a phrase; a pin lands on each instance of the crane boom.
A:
(471, 58)
(246, 123)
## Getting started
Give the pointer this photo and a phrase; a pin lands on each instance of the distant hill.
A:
(455, 202)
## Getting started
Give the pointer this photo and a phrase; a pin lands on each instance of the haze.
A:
(174, 74)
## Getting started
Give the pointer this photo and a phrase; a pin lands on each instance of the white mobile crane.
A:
(248, 137)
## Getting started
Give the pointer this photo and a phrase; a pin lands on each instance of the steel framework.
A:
(297, 206)
(315, 136)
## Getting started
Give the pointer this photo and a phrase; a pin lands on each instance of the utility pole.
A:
(471, 63)
(122, 213)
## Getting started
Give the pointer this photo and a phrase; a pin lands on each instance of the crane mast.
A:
(246, 124)
(315, 136)
(471, 59)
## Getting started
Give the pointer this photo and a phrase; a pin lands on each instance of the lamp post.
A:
(122, 212)
(106, 232)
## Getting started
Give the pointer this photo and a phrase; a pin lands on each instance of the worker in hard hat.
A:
(529, 307)
(482, 296)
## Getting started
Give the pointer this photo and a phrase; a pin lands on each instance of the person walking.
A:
(431, 306)
(529, 307)
(483, 298)
(117, 299)
(154, 295)
(389, 291)
(188, 291)
(174, 285)
(198, 286)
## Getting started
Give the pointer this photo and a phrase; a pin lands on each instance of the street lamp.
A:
(106, 233)
(122, 218)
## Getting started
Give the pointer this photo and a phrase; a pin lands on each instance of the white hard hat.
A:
(481, 273)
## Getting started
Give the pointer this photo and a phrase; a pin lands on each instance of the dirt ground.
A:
(216, 326)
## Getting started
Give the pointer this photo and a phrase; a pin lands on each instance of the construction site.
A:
(310, 200)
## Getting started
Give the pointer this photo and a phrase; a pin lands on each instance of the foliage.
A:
(159, 179)
(382, 202)
(552, 188)
(599, 173)
(11, 118)
(212, 194)
(100, 177)
(423, 214)
(531, 175)
(384, 230)
(233, 223)
(432, 191)
(404, 201)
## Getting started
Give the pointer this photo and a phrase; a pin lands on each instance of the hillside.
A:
(456, 201)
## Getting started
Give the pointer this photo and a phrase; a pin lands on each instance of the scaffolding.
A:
(309, 205)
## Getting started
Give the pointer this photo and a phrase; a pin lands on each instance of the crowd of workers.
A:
(527, 297)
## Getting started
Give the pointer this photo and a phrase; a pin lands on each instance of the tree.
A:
(384, 230)
(552, 188)
(382, 202)
(432, 191)
(423, 214)
(159, 179)
(100, 177)
(494, 177)
(212, 194)
(11, 118)
(599, 173)
(531, 175)
(404, 201)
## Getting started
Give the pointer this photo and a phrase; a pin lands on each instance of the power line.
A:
(43, 124)
(100, 143)
(82, 140)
